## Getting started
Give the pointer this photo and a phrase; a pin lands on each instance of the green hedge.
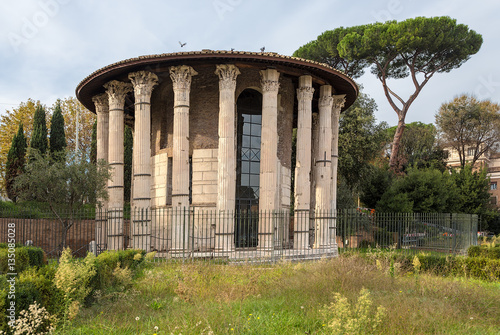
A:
(473, 267)
(480, 251)
(25, 257)
(107, 262)
(34, 284)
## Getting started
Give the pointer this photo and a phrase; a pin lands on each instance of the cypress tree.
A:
(57, 136)
(39, 134)
(93, 144)
(16, 159)
(128, 144)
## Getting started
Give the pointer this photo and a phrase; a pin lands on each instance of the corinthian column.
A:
(338, 103)
(323, 169)
(268, 191)
(303, 163)
(143, 83)
(226, 165)
(102, 111)
(117, 92)
(181, 79)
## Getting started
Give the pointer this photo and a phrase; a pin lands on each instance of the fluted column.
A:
(117, 92)
(268, 191)
(302, 185)
(338, 103)
(143, 83)
(102, 111)
(226, 158)
(323, 169)
(181, 79)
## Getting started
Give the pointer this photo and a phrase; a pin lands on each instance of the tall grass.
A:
(290, 298)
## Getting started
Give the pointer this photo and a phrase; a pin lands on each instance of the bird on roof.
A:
(262, 49)
(182, 44)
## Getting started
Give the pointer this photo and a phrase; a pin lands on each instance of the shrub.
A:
(34, 284)
(482, 251)
(74, 277)
(342, 318)
(109, 263)
(25, 257)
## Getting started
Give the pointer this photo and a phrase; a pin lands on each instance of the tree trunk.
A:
(394, 161)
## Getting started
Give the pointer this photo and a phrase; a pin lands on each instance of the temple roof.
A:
(322, 73)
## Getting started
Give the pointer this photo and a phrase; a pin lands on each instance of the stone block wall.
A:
(159, 172)
(204, 179)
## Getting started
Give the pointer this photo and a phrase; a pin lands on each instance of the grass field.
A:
(292, 298)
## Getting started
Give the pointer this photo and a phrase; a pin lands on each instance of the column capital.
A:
(305, 90)
(305, 93)
(338, 101)
(325, 96)
(227, 76)
(101, 102)
(117, 91)
(325, 101)
(270, 80)
(181, 76)
(143, 82)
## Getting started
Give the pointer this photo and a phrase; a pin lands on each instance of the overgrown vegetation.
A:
(54, 294)
(378, 292)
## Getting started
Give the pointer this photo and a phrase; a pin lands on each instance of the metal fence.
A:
(237, 235)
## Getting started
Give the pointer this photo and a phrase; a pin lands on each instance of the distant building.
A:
(490, 160)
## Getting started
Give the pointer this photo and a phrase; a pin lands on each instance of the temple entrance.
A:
(249, 114)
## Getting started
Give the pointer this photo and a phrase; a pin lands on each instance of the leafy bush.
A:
(25, 257)
(74, 276)
(109, 263)
(474, 267)
(32, 285)
(480, 251)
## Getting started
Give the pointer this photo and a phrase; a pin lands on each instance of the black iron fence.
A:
(238, 235)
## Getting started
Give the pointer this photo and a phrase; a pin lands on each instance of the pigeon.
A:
(182, 44)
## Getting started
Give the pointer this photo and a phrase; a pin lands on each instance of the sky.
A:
(48, 46)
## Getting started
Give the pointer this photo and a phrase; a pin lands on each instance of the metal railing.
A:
(198, 233)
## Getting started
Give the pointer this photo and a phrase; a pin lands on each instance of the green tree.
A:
(93, 144)
(419, 147)
(16, 159)
(361, 141)
(421, 191)
(324, 50)
(375, 185)
(416, 48)
(128, 142)
(39, 135)
(65, 185)
(466, 123)
(57, 137)
(9, 125)
(473, 188)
